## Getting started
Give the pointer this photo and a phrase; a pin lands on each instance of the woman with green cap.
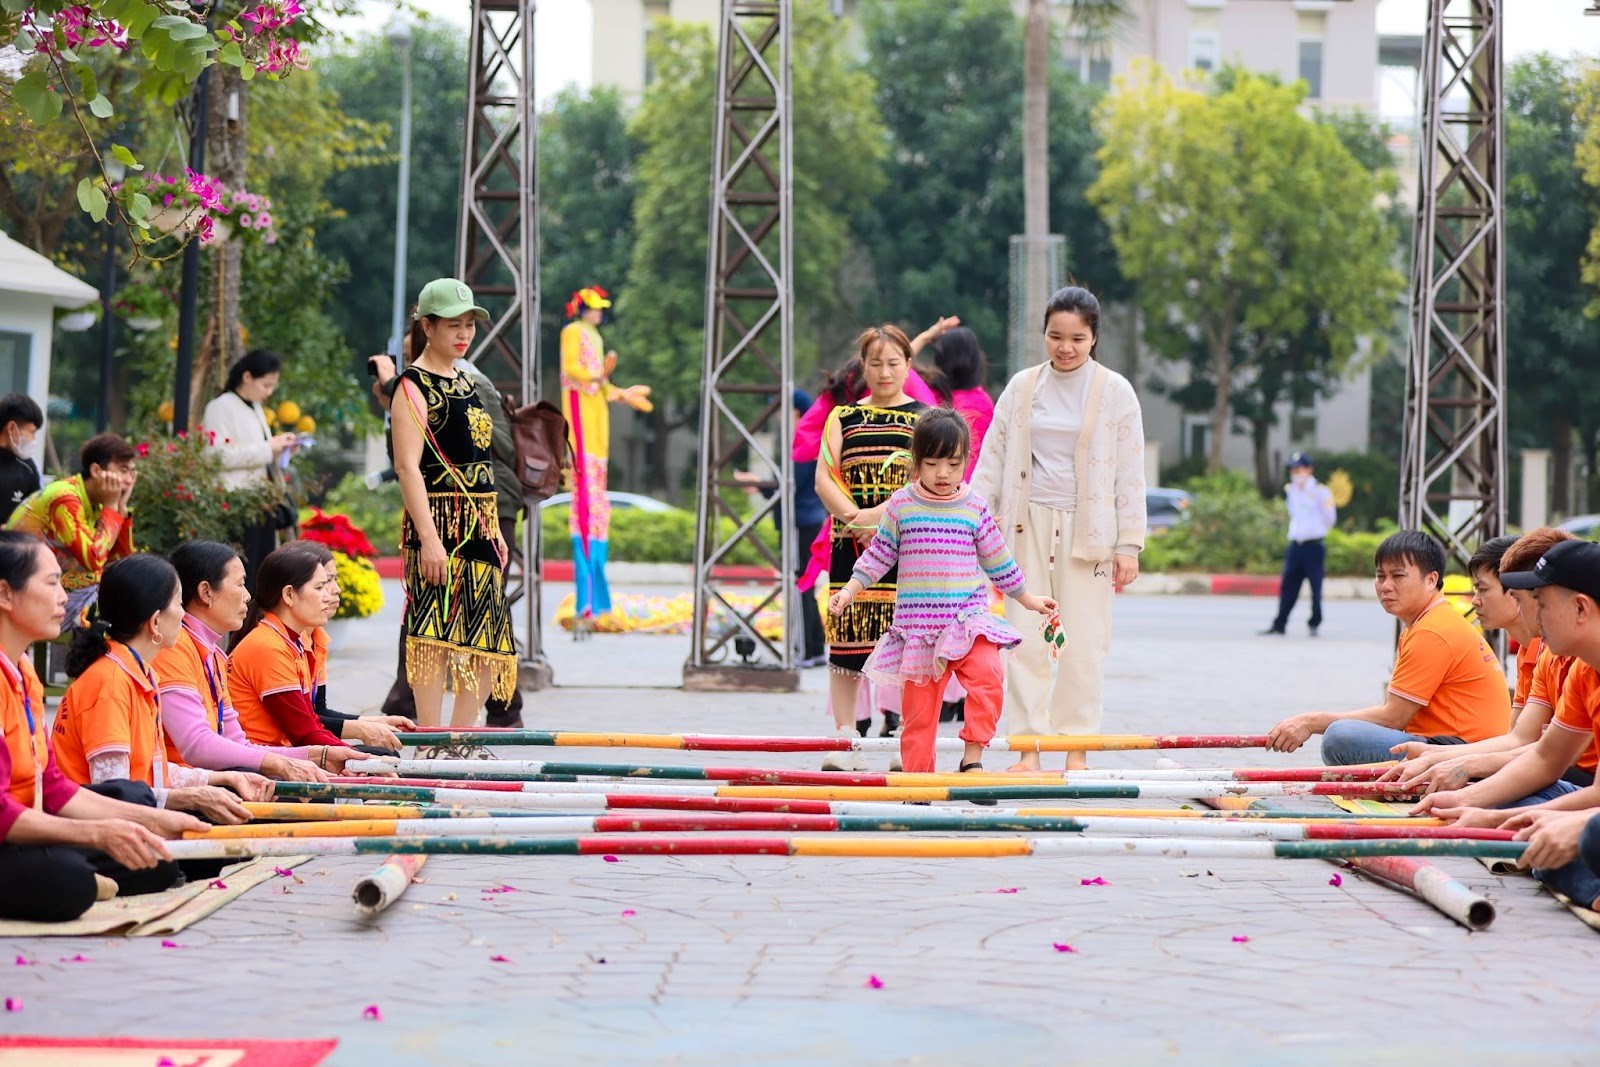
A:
(457, 622)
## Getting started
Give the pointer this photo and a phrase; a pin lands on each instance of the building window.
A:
(654, 11)
(1097, 71)
(1311, 67)
(1203, 48)
(1303, 427)
(15, 350)
(1196, 436)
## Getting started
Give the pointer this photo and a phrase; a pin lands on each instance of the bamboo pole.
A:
(834, 845)
(1423, 879)
(948, 820)
(383, 886)
(315, 812)
(761, 743)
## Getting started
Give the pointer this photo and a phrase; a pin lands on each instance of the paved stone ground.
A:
(766, 960)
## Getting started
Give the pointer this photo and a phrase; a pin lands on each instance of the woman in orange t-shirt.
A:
(108, 726)
(61, 847)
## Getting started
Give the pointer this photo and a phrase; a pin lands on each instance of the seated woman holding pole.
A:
(62, 847)
(202, 726)
(273, 676)
(108, 726)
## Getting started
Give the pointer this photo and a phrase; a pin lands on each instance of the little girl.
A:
(945, 542)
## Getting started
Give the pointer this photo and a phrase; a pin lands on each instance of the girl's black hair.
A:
(291, 566)
(202, 562)
(959, 358)
(131, 590)
(845, 385)
(19, 557)
(1079, 301)
(258, 363)
(940, 433)
(419, 336)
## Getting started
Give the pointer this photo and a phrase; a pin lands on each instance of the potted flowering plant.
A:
(142, 304)
(360, 589)
(179, 496)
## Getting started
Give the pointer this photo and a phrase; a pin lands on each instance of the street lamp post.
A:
(115, 171)
(399, 35)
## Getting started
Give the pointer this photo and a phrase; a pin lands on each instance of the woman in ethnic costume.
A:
(866, 450)
(457, 622)
(586, 396)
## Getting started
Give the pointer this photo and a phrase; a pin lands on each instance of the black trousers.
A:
(402, 701)
(1304, 560)
(55, 883)
(258, 543)
(810, 613)
(1589, 844)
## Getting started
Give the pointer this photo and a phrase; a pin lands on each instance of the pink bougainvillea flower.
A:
(611, 859)
(503, 889)
(23, 961)
(1062, 946)
(170, 944)
(874, 982)
(1096, 880)
(283, 872)
(499, 959)
(371, 1012)
(216, 883)
(1239, 939)
(1009, 889)
(13, 1004)
(628, 913)
(79, 958)
(1336, 881)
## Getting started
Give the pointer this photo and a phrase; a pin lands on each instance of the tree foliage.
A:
(950, 91)
(839, 146)
(1243, 225)
(1550, 213)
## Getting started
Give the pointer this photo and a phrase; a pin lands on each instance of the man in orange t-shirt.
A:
(1554, 816)
(1447, 685)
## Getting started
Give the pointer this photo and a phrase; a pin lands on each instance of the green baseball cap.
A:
(447, 298)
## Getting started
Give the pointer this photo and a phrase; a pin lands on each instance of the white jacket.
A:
(1108, 464)
(240, 439)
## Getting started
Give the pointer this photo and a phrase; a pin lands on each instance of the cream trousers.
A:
(1060, 697)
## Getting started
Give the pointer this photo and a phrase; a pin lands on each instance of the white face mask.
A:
(1300, 477)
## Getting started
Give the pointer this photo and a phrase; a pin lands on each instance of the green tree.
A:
(1549, 215)
(366, 78)
(950, 91)
(587, 178)
(839, 146)
(1242, 223)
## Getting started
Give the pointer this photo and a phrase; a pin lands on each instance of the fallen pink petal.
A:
(611, 859)
(13, 1004)
(216, 883)
(79, 958)
(283, 872)
(874, 982)
(1011, 889)
(23, 961)
(1239, 939)
(1336, 881)
(371, 1012)
(628, 913)
(166, 1061)
(170, 944)
(499, 959)
(1061, 946)
(503, 889)
(1096, 880)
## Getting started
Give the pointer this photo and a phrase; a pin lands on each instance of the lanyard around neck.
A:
(206, 655)
(40, 750)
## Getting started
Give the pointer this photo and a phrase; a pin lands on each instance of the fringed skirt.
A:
(457, 630)
(852, 635)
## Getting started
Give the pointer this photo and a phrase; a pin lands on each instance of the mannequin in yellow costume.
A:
(586, 393)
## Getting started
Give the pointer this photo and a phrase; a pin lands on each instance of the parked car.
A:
(619, 502)
(1164, 508)
(1584, 526)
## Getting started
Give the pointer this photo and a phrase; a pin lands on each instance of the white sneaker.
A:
(844, 761)
(894, 763)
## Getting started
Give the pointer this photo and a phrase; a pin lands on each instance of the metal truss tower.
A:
(746, 414)
(497, 251)
(1453, 460)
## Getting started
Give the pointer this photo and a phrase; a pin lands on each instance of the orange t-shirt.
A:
(1527, 661)
(1579, 709)
(183, 666)
(268, 660)
(1549, 685)
(26, 750)
(111, 707)
(1445, 665)
(319, 656)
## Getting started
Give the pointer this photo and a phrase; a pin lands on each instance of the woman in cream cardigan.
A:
(248, 449)
(1063, 472)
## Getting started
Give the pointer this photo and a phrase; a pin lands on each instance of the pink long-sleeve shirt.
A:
(187, 713)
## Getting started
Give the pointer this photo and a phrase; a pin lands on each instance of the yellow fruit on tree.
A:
(306, 424)
(165, 411)
(288, 413)
(272, 417)
(1340, 486)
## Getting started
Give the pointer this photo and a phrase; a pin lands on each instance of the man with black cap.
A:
(1311, 515)
(1555, 817)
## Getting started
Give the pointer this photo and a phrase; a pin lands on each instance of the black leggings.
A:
(55, 883)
